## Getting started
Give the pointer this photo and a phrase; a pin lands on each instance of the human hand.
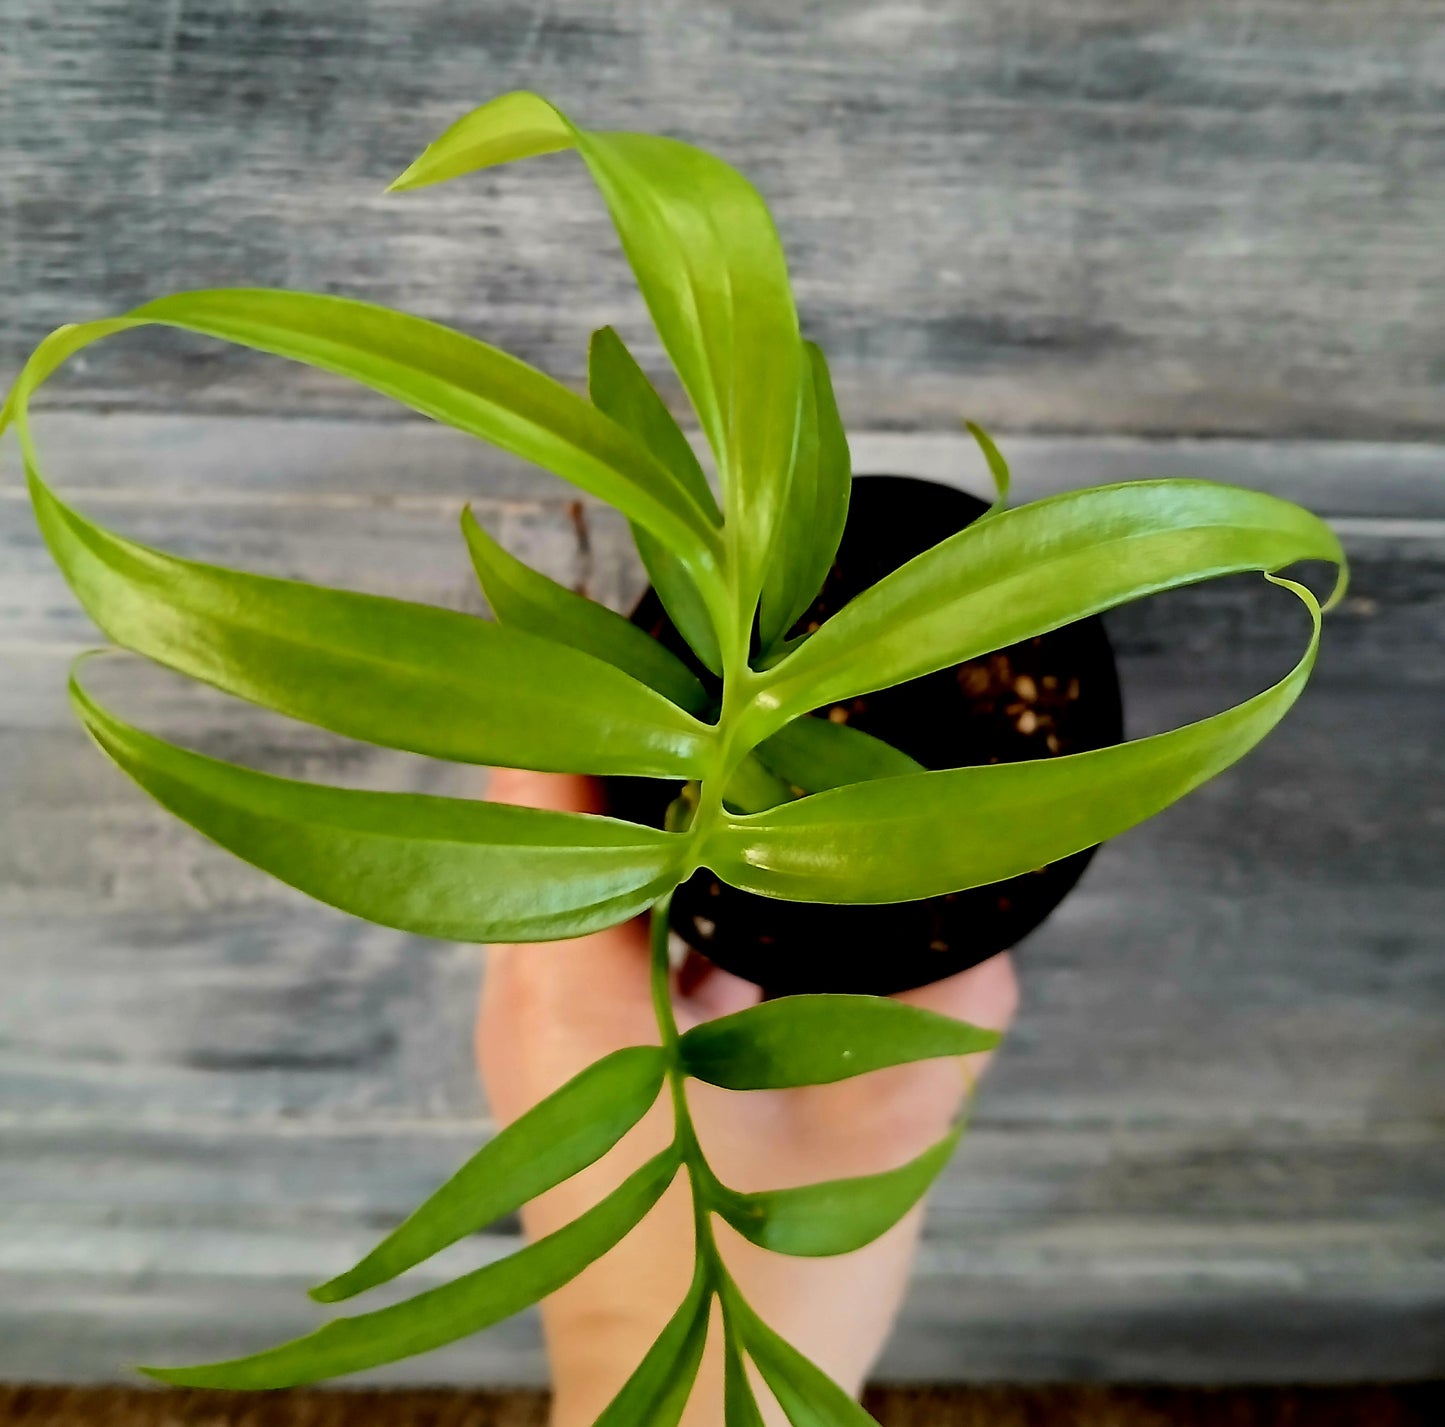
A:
(548, 1011)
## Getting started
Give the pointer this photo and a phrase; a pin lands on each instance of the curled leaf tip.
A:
(997, 466)
(1342, 585)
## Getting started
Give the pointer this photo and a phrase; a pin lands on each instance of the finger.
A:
(557, 792)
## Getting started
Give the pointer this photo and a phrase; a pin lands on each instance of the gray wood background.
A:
(1139, 237)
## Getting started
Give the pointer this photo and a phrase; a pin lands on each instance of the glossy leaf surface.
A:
(815, 1040)
(620, 388)
(835, 1216)
(403, 675)
(815, 509)
(439, 1316)
(1025, 571)
(657, 1391)
(816, 754)
(554, 1140)
(753, 788)
(524, 599)
(443, 867)
(436, 371)
(706, 256)
(899, 839)
(997, 467)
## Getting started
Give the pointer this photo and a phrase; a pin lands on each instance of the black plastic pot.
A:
(1058, 693)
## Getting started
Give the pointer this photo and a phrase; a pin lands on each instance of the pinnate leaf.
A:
(814, 1040)
(815, 510)
(442, 1315)
(1025, 571)
(554, 1140)
(816, 754)
(403, 675)
(524, 599)
(997, 466)
(711, 269)
(619, 387)
(658, 1389)
(753, 788)
(928, 834)
(808, 1396)
(740, 1405)
(443, 867)
(436, 371)
(835, 1216)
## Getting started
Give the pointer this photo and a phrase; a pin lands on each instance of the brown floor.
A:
(1415, 1406)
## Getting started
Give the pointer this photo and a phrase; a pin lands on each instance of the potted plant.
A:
(773, 802)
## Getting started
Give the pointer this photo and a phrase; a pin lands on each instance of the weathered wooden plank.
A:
(374, 507)
(1108, 215)
(1279, 929)
(406, 465)
(1045, 1285)
(204, 1246)
(1211, 1149)
(413, 553)
(1220, 1107)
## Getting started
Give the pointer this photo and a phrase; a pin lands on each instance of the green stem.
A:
(661, 983)
(701, 1179)
(696, 811)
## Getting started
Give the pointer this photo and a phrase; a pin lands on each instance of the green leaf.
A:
(815, 754)
(441, 373)
(740, 1406)
(836, 1216)
(752, 788)
(815, 511)
(442, 1315)
(808, 1396)
(523, 599)
(402, 675)
(554, 1140)
(659, 1387)
(443, 867)
(711, 269)
(685, 606)
(997, 466)
(899, 839)
(620, 388)
(518, 125)
(1025, 571)
(815, 1040)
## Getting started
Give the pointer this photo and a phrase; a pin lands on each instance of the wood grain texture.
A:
(1211, 1150)
(1101, 215)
